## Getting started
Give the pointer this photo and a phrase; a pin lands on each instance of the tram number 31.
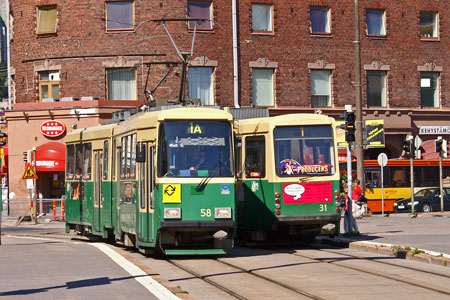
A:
(205, 212)
(323, 207)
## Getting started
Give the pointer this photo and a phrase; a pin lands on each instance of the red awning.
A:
(51, 157)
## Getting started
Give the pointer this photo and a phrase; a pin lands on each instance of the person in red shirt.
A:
(357, 192)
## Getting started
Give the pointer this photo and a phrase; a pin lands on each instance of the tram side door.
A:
(146, 194)
(98, 159)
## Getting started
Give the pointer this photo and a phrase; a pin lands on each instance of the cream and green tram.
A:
(172, 181)
(287, 178)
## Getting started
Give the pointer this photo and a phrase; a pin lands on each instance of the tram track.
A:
(241, 271)
(371, 271)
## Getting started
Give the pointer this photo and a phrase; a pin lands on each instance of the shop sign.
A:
(53, 128)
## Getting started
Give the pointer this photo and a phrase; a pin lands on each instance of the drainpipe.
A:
(235, 54)
(8, 54)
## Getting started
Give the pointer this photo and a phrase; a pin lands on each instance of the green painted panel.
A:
(200, 206)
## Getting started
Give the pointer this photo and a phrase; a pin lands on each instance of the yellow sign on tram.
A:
(171, 193)
(29, 173)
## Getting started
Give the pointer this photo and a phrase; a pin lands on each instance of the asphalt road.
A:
(46, 268)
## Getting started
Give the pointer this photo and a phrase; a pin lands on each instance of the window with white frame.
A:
(48, 85)
(429, 89)
(376, 88)
(262, 17)
(376, 20)
(262, 87)
(428, 25)
(121, 83)
(120, 15)
(201, 84)
(46, 19)
(200, 10)
(320, 88)
(320, 19)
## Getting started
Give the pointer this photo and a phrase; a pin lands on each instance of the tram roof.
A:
(150, 119)
(266, 124)
(91, 133)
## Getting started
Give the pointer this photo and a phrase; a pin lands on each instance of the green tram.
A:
(287, 178)
(160, 180)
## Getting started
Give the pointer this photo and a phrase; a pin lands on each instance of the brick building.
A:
(289, 56)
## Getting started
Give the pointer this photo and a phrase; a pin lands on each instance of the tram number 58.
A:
(323, 207)
(205, 212)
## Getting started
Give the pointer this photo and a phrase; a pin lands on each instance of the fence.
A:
(53, 207)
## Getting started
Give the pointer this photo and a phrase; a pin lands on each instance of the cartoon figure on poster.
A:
(289, 167)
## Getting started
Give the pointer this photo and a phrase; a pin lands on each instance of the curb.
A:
(425, 256)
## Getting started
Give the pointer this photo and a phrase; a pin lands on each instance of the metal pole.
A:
(440, 180)
(382, 191)
(34, 187)
(8, 53)
(349, 182)
(359, 150)
(411, 171)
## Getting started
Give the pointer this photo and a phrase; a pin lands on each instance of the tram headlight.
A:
(172, 213)
(222, 212)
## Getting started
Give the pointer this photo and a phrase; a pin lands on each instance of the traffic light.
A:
(438, 145)
(444, 149)
(408, 147)
(2, 139)
(27, 156)
(350, 127)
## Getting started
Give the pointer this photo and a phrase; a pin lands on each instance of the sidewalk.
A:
(424, 237)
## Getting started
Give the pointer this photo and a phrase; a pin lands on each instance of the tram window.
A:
(70, 161)
(105, 160)
(255, 156)
(304, 150)
(195, 149)
(113, 166)
(123, 158)
(128, 157)
(133, 156)
(78, 161)
(87, 161)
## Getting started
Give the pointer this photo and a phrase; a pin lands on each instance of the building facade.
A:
(289, 56)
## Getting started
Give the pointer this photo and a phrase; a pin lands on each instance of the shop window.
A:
(201, 84)
(48, 85)
(262, 87)
(376, 88)
(200, 10)
(119, 15)
(255, 153)
(46, 19)
(320, 88)
(428, 25)
(262, 18)
(87, 161)
(320, 20)
(429, 89)
(375, 19)
(121, 84)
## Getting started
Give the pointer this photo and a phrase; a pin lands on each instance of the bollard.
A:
(62, 209)
(32, 208)
(54, 209)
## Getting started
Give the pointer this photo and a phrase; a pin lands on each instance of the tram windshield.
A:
(195, 149)
(304, 151)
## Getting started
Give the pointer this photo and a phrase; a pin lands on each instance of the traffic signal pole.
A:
(411, 171)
